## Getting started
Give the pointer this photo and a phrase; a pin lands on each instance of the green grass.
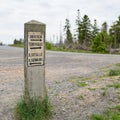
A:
(118, 64)
(92, 89)
(17, 45)
(115, 85)
(110, 114)
(80, 81)
(97, 117)
(114, 72)
(118, 107)
(63, 49)
(69, 50)
(80, 97)
(33, 110)
(104, 91)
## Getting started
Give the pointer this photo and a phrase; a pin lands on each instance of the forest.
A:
(88, 36)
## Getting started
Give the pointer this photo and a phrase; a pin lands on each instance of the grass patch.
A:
(63, 49)
(118, 107)
(33, 110)
(104, 91)
(118, 92)
(115, 85)
(80, 97)
(97, 117)
(110, 114)
(114, 72)
(118, 64)
(56, 94)
(17, 45)
(80, 81)
(69, 50)
(92, 89)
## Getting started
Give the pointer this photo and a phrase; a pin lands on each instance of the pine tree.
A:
(86, 31)
(79, 28)
(104, 27)
(15, 41)
(68, 34)
(95, 29)
(115, 33)
(107, 38)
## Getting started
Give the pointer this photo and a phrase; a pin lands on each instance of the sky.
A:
(14, 13)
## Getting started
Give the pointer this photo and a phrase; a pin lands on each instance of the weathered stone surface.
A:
(34, 60)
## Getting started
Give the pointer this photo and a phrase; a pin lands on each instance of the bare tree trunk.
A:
(115, 40)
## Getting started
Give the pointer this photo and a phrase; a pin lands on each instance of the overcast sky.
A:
(14, 13)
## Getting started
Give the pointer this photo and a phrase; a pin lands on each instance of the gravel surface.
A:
(64, 72)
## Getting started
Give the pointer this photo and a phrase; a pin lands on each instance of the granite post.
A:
(34, 60)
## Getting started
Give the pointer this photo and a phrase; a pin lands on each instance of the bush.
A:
(48, 46)
(100, 42)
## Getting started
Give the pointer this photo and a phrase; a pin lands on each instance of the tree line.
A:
(18, 41)
(88, 36)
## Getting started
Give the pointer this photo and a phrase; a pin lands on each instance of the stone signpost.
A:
(34, 60)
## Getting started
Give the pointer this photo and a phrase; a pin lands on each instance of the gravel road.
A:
(62, 70)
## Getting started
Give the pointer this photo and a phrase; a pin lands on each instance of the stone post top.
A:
(34, 22)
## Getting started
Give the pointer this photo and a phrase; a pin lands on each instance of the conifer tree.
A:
(86, 31)
(68, 34)
(79, 28)
(104, 27)
(98, 44)
(95, 29)
(115, 33)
